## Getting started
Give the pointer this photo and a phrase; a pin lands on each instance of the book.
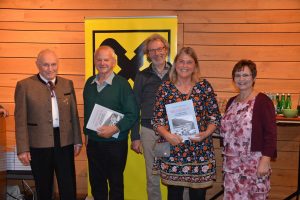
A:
(182, 119)
(101, 116)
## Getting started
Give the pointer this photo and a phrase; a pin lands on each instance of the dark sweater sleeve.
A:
(137, 89)
(87, 107)
(129, 108)
(268, 119)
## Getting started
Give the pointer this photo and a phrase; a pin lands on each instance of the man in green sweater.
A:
(107, 146)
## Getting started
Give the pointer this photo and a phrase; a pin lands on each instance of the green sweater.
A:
(118, 97)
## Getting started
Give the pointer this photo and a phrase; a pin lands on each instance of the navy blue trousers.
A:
(59, 160)
(107, 161)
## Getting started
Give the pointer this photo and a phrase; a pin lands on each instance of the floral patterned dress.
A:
(240, 164)
(191, 164)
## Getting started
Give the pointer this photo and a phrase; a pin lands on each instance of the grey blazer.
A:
(33, 114)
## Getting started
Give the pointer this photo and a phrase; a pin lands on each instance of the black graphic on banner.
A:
(129, 68)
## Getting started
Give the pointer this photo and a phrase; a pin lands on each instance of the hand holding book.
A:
(103, 120)
(204, 134)
(107, 131)
(198, 137)
(173, 139)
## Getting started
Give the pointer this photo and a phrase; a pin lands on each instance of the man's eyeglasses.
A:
(158, 50)
(242, 75)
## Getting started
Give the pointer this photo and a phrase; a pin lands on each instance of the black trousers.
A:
(176, 193)
(107, 162)
(46, 161)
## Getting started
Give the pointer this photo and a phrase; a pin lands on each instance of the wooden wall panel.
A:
(290, 133)
(255, 52)
(6, 94)
(284, 177)
(242, 28)
(2, 158)
(21, 25)
(72, 15)
(265, 70)
(66, 66)
(281, 192)
(263, 39)
(222, 32)
(21, 50)
(240, 16)
(283, 163)
(153, 4)
(236, 16)
(60, 37)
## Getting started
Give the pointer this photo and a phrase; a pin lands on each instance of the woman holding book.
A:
(191, 163)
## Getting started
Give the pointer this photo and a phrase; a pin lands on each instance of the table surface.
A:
(19, 175)
(285, 120)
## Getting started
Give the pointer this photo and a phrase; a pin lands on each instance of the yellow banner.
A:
(126, 36)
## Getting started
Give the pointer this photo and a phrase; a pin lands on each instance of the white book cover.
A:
(182, 119)
(103, 116)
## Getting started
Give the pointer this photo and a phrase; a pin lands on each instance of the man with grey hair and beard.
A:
(146, 84)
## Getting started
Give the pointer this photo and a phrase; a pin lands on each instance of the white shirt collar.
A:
(107, 81)
(46, 81)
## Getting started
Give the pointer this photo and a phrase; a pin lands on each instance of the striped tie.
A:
(51, 87)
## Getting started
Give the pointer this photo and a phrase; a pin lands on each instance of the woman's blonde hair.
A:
(195, 75)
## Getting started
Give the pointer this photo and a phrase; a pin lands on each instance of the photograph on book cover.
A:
(182, 119)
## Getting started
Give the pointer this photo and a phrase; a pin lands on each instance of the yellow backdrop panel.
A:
(125, 36)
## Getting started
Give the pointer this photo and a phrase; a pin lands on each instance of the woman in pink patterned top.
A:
(249, 131)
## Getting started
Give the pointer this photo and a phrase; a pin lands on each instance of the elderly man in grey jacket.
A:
(47, 128)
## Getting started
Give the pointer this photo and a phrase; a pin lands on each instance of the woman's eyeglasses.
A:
(242, 75)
